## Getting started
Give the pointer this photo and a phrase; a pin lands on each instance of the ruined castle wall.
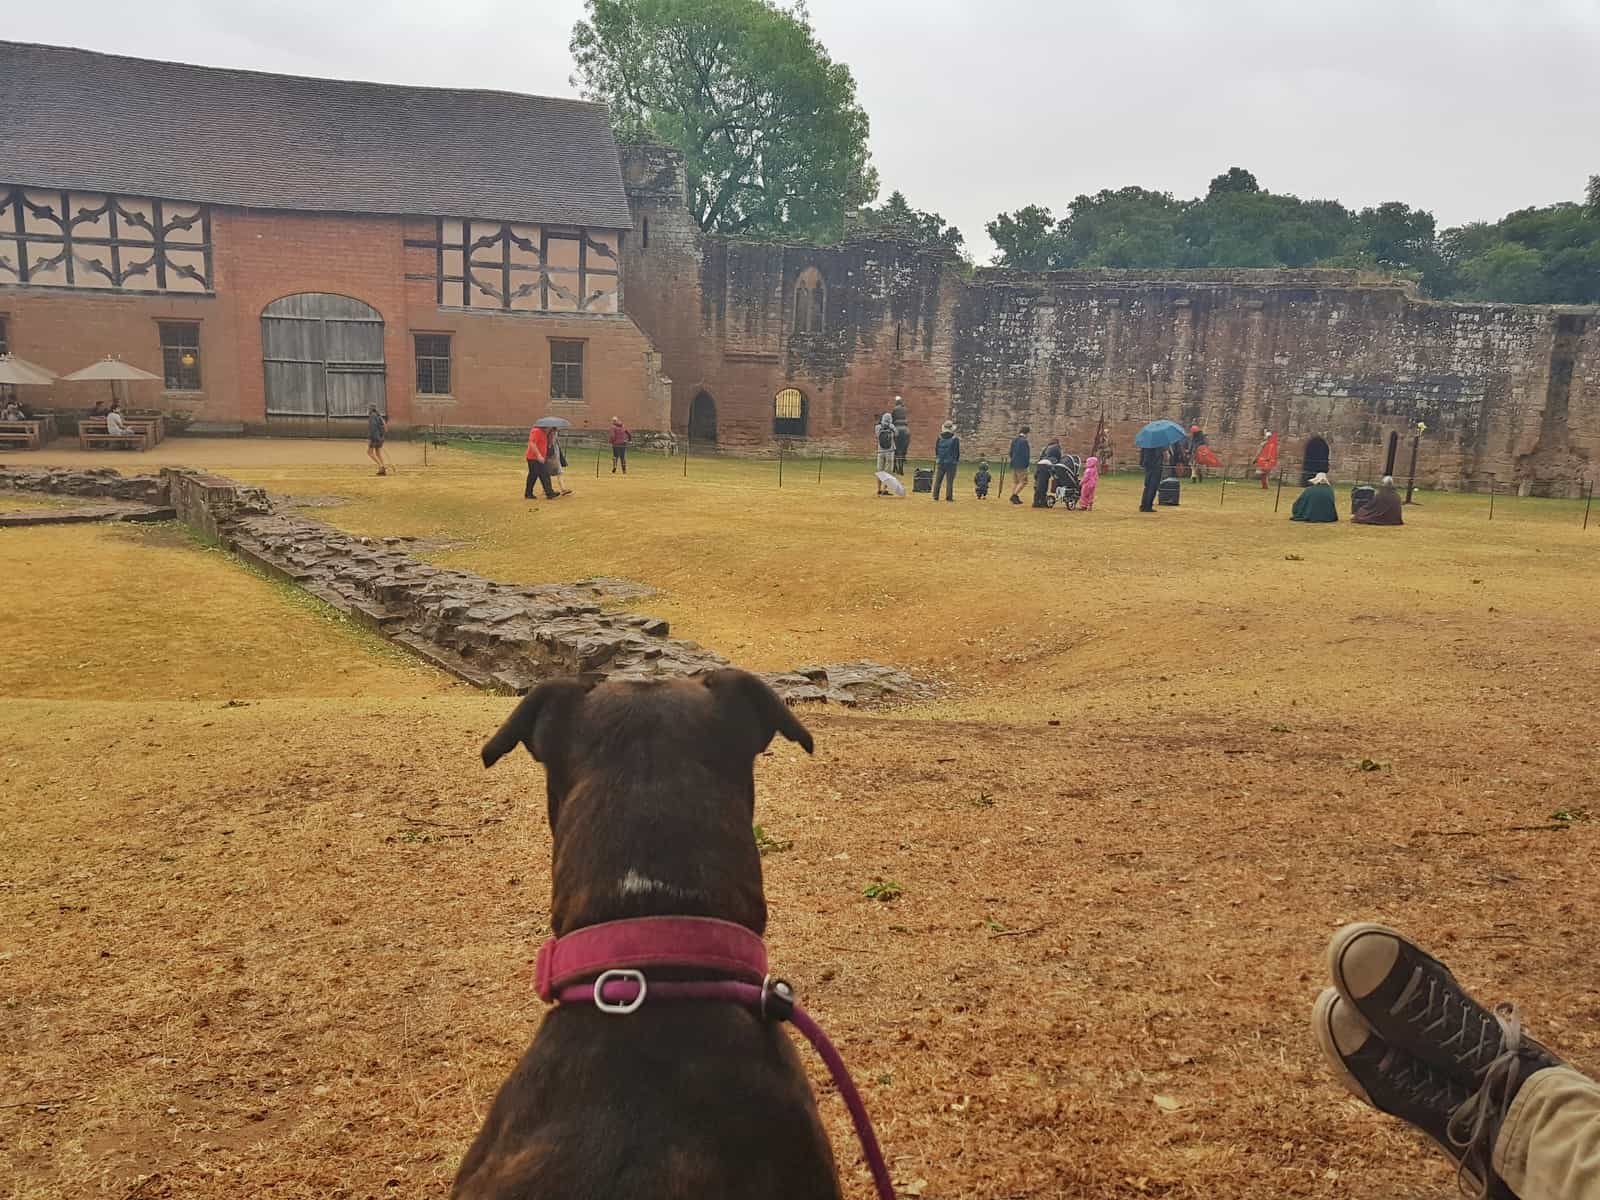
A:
(1509, 390)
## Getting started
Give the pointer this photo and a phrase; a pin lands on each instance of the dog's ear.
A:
(745, 698)
(536, 721)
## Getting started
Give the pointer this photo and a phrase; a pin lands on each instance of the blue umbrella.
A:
(1160, 434)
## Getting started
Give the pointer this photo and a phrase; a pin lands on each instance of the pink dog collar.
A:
(703, 943)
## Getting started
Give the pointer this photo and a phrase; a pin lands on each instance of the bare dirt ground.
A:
(282, 946)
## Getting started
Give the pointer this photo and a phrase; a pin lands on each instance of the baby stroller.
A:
(1066, 482)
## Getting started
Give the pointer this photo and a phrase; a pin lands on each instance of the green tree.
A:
(1129, 227)
(1028, 239)
(772, 136)
(896, 217)
(1396, 234)
(1505, 271)
(1234, 179)
(1592, 196)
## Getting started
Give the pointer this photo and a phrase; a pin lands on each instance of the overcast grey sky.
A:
(1470, 108)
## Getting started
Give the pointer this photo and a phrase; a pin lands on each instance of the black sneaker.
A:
(1410, 999)
(1015, 499)
(1396, 1083)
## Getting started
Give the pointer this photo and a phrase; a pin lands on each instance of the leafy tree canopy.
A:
(896, 217)
(1538, 255)
(772, 136)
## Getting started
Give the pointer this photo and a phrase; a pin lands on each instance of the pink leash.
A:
(693, 941)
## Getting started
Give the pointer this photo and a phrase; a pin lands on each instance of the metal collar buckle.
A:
(777, 999)
(619, 1007)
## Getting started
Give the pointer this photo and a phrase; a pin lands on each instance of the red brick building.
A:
(284, 252)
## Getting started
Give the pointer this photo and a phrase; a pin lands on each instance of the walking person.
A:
(1266, 457)
(556, 460)
(947, 454)
(538, 466)
(902, 435)
(377, 431)
(886, 455)
(620, 437)
(1021, 459)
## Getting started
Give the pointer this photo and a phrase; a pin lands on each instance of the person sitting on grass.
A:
(1383, 508)
(1400, 1034)
(980, 481)
(1315, 505)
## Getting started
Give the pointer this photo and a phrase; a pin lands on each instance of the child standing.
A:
(980, 481)
(1091, 480)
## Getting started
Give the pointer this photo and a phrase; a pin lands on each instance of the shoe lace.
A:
(1472, 1126)
(1438, 1011)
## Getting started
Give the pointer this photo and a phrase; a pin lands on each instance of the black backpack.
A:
(885, 438)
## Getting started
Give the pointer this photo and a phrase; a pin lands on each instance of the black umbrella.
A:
(552, 423)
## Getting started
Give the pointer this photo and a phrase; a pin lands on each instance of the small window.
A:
(566, 370)
(789, 413)
(433, 363)
(5, 337)
(180, 356)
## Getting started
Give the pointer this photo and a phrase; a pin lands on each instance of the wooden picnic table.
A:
(29, 434)
(143, 432)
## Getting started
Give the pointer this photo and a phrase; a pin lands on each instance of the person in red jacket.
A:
(620, 437)
(538, 467)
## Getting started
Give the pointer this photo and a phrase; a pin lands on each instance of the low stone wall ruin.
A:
(498, 636)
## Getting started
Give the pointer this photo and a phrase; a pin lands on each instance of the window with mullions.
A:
(566, 370)
(433, 363)
(180, 356)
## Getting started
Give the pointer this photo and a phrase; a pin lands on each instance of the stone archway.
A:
(703, 418)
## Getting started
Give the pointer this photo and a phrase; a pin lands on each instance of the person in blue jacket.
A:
(1021, 460)
(947, 451)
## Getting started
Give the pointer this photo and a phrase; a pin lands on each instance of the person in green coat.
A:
(1316, 505)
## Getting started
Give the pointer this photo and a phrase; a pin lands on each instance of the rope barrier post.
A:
(597, 462)
(1279, 495)
(1491, 497)
(1411, 479)
(686, 444)
(819, 468)
(1224, 498)
(1587, 503)
(780, 464)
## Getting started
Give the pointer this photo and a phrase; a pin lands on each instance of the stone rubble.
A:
(84, 481)
(498, 636)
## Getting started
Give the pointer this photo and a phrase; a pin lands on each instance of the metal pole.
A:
(597, 462)
(1587, 503)
(1411, 480)
(819, 468)
(1491, 497)
(1279, 496)
(686, 445)
(780, 465)
(1224, 498)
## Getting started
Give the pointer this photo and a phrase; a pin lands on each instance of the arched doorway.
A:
(322, 356)
(703, 418)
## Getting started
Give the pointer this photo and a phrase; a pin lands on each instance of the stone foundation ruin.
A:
(497, 636)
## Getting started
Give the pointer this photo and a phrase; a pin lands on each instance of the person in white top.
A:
(115, 425)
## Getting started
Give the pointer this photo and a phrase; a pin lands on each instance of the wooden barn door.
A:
(323, 359)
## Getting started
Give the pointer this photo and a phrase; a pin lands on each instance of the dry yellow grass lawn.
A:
(283, 948)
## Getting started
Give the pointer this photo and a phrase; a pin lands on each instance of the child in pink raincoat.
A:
(1091, 480)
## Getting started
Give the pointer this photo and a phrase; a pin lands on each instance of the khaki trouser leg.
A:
(1549, 1145)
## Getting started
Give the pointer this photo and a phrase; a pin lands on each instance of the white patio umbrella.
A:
(113, 370)
(14, 370)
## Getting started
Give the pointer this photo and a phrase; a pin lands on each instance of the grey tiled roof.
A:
(101, 122)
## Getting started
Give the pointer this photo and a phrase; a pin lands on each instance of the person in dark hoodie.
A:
(980, 481)
(1154, 461)
(1021, 460)
(902, 435)
(947, 452)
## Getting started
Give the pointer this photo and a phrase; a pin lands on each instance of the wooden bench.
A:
(93, 433)
(25, 435)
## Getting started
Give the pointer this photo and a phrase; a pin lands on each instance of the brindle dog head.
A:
(651, 791)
